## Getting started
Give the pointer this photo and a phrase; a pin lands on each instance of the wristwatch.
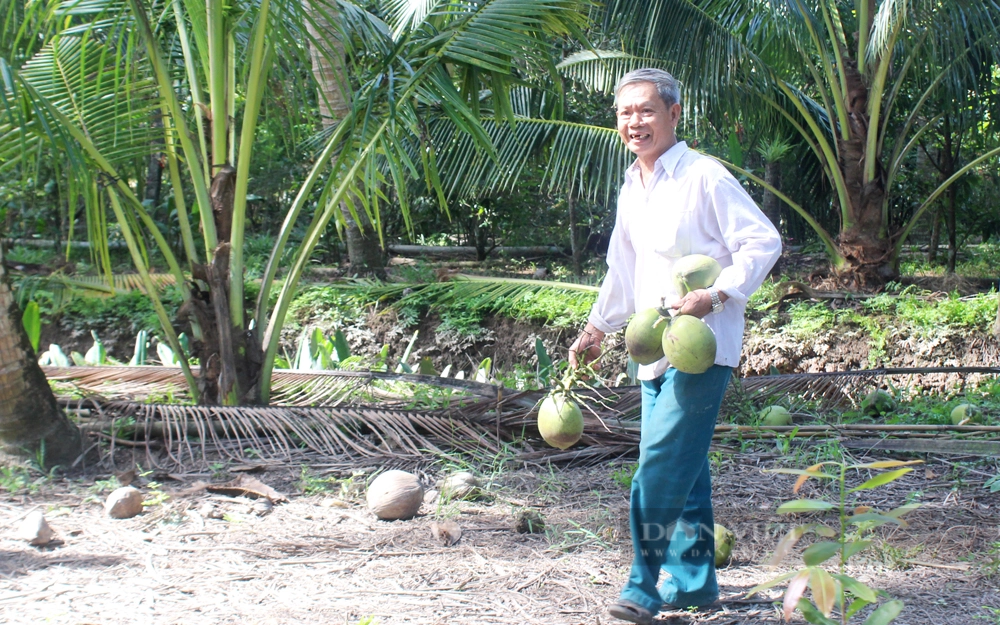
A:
(717, 305)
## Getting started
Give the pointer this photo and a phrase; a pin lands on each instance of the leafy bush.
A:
(327, 304)
(129, 312)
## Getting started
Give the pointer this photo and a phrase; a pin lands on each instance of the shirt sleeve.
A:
(616, 299)
(747, 233)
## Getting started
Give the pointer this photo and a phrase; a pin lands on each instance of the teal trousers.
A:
(671, 506)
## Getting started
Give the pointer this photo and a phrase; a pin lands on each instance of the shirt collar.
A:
(667, 162)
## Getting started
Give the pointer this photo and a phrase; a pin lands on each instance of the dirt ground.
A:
(198, 557)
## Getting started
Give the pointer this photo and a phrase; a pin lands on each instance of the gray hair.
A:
(666, 85)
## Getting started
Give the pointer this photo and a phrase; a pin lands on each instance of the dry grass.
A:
(324, 558)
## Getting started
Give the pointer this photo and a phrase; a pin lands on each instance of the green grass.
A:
(974, 261)
(15, 479)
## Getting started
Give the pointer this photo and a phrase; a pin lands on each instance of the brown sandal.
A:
(632, 612)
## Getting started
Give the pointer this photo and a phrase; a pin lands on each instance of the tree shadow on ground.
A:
(14, 563)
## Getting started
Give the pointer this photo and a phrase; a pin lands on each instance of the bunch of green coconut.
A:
(651, 334)
(685, 340)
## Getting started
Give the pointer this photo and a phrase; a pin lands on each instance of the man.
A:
(675, 202)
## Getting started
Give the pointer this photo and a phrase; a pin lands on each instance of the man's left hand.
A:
(696, 303)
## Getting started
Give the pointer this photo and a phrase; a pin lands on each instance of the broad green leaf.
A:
(818, 553)
(426, 367)
(824, 590)
(813, 615)
(340, 343)
(771, 583)
(139, 353)
(885, 613)
(805, 505)
(875, 519)
(165, 354)
(409, 347)
(544, 362)
(96, 355)
(854, 547)
(856, 605)
(316, 338)
(904, 509)
(825, 531)
(58, 357)
(32, 322)
(302, 360)
(881, 479)
(483, 372)
(885, 464)
(856, 588)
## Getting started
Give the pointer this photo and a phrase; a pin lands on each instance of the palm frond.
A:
(599, 70)
(489, 34)
(407, 14)
(482, 422)
(82, 78)
(889, 16)
(585, 159)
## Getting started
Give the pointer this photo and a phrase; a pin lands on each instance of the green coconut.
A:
(775, 415)
(695, 271)
(878, 403)
(724, 541)
(644, 336)
(689, 344)
(965, 414)
(560, 421)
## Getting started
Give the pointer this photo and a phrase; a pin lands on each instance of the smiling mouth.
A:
(638, 135)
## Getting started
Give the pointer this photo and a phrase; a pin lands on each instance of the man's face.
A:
(645, 122)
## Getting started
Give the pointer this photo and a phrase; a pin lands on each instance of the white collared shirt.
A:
(692, 205)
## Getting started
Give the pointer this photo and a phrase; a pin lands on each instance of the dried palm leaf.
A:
(485, 417)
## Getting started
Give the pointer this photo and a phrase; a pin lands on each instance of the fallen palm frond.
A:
(291, 387)
(122, 282)
(192, 435)
(840, 388)
(314, 388)
(472, 418)
(63, 288)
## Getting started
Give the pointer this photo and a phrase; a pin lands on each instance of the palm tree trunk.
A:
(771, 204)
(932, 248)
(154, 171)
(364, 251)
(996, 323)
(574, 236)
(947, 170)
(865, 242)
(31, 424)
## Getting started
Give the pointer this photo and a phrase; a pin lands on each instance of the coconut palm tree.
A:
(31, 423)
(855, 81)
(837, 72)
(329, 68)
(430, 61)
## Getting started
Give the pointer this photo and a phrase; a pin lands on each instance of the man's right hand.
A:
(586, 348)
